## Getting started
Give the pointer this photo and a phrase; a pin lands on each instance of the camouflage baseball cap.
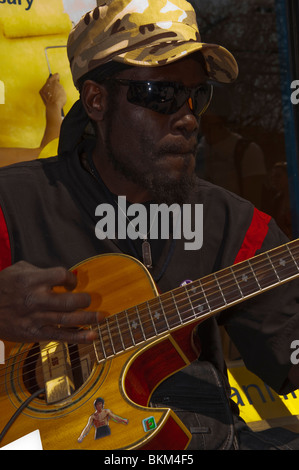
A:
(143, 33)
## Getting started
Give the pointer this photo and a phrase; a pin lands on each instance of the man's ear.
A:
(94, 99)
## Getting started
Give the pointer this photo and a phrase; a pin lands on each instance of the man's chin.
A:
(174, 179)
(172, 190)
(170, 181)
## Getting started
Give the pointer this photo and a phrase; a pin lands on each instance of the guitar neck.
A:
(197, 300)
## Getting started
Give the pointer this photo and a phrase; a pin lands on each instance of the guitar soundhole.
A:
(32, 371)
(30, 377)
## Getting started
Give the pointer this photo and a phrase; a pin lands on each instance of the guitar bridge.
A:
(57, 371)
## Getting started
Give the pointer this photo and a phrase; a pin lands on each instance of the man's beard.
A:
(161, 186)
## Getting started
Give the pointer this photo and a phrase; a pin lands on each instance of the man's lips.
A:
(179, 148)
(177, 161)
(181, 153)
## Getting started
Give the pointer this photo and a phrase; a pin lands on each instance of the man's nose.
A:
(185, 120)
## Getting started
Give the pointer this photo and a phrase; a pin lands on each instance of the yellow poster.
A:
(33, 36)
(2, 92)
(256, 400)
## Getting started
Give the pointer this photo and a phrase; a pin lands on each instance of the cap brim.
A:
(221, 65)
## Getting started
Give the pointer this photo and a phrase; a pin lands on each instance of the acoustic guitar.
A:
(98, 396)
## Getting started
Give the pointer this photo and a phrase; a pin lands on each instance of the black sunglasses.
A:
(167, 97)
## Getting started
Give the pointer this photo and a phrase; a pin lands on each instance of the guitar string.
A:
(192, 317)
(94, 361)
(222, 304)
(165, 330)
(166, 306)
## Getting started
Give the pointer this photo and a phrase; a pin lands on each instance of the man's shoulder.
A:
(25, 180)
(208, 192)
(35, 172)
(29, 167)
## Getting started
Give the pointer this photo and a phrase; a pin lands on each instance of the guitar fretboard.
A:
(196, 301)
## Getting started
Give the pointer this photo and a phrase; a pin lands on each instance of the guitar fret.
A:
(120, 333)
(140, 323)
(284, 263)
(164, 314)
(254, 275)
(102, 344)
(108, 344)
(219, 287)
(292, 257)
(115, 334)
(135, 326)
(206, 299)
(182, 310)
(152, 319)
(198, 304)
(188, 297)
(130, 330)
(236, 281)
(212, 292)
(176, 308)
(273, 267)
(263, 268)
(169, 312)
(95, 347)
(146, 321)
(109, 335)
(158, 317)
(181, 297)
(123, 332)
(198, 309)
(246, 280)
(228, 286)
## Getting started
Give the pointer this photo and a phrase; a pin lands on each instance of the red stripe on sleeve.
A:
(254, 237)
(5, 251)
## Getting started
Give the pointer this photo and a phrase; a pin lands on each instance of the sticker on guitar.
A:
(100, 421)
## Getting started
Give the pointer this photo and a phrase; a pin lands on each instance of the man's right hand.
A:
(30, 311)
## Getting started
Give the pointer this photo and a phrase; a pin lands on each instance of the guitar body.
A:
(125, 382)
